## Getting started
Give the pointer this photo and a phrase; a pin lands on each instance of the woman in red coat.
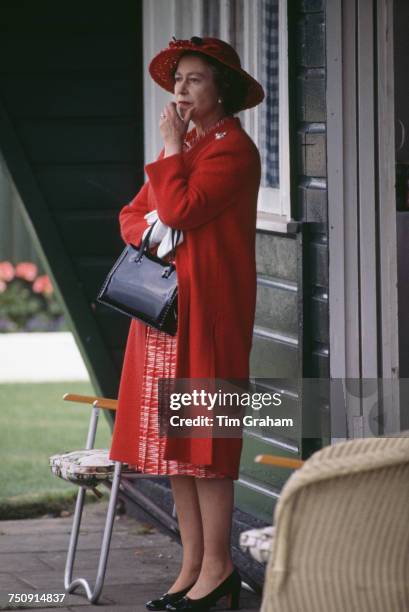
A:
(204, 183)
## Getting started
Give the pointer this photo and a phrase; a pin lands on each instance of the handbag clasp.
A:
(168, 271)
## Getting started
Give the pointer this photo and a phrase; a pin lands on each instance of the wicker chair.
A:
(341, 538)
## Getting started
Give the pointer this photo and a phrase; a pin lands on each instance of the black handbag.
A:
(144, 286)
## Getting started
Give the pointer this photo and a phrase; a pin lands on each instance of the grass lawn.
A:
(34, 423)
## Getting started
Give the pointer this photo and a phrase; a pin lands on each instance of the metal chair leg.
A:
(71, 585)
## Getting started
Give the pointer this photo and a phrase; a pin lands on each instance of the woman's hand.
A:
(173, 128)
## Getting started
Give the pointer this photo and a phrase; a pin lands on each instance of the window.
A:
(258, 31)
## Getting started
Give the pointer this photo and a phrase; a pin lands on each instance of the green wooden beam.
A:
(57, 262)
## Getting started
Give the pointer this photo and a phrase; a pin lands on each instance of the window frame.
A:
(186, 17)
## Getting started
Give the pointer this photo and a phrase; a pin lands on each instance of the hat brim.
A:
(163, 66)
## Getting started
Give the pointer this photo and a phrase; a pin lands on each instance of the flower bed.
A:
(27, 300)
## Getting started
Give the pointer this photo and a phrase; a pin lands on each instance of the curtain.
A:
(269, 124)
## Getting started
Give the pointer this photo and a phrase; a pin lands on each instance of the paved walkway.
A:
(142, 562)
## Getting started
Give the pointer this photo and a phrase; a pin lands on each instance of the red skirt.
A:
(160, 362)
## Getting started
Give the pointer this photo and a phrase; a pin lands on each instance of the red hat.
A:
(163, 65)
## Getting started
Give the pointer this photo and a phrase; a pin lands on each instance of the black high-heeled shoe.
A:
(230, 587)
(167, 598)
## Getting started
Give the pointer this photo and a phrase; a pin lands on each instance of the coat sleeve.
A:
(186, 200)
(131, 218)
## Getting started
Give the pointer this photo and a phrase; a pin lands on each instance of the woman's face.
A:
(195, 86)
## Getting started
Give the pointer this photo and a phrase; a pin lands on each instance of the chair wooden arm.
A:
(279, 461)
(101, 402)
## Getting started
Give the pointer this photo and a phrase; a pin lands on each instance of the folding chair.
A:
(89, 468)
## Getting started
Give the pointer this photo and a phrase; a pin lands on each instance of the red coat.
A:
(209, 192)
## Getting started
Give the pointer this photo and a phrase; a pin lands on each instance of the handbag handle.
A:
(145, 244)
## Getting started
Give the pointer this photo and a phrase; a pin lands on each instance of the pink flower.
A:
(6, 271)
(42, 284)
(26, 270)
(3, 286)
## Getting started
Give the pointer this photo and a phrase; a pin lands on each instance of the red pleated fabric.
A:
(160, 362)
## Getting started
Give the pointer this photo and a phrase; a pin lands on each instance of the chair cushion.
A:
(84, 467)
(258, 543)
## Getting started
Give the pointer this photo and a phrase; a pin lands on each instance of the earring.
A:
(219, 100)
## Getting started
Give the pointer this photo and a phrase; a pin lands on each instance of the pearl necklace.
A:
(189, 144)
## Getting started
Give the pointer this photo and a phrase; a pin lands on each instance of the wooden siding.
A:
(309, 181)
(291, 332)
(275, 354)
